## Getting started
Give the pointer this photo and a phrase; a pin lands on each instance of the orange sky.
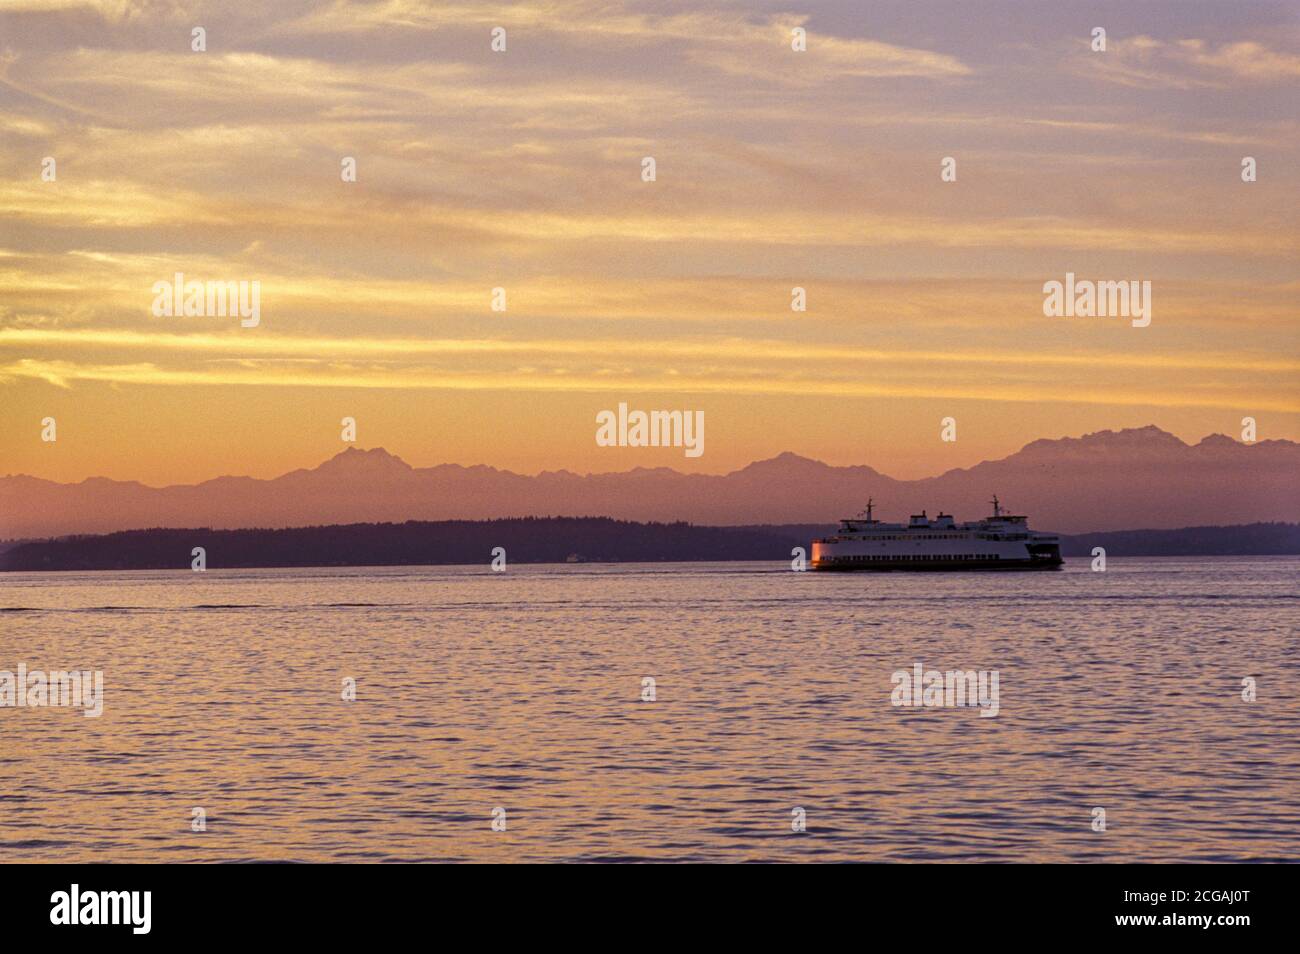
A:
(521, 170)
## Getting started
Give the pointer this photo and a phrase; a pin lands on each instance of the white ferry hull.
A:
(1000, 542)
(929, 561)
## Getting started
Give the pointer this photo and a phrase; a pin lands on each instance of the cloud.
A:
(1187, 64)
(727, 40)
(288, 373)
(716, 349)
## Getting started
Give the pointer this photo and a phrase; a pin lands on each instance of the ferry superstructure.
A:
(1002, 541)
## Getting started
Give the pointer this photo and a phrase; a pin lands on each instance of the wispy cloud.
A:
(1188, 64)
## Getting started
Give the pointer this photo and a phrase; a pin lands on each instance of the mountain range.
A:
(1110, 480)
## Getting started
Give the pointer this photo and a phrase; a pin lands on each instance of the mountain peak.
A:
(1129, 439)
(1150, 436)
(1217, 441)
(785, 461)
(374, 461)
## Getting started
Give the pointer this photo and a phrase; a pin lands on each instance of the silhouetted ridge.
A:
(1108, 480)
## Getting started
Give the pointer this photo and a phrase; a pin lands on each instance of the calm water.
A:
(522, 690)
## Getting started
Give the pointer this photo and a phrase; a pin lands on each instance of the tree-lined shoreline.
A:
(544, 540)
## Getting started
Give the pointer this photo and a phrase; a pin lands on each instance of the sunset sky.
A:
(522, 169)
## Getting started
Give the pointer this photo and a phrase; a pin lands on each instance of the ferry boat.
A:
(1000, 542)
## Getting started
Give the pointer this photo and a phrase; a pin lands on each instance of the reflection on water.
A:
(523, 689)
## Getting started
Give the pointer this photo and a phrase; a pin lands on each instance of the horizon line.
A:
(354, 449)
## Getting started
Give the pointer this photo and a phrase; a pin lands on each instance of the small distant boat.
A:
(575, 558)
(1000, 542)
